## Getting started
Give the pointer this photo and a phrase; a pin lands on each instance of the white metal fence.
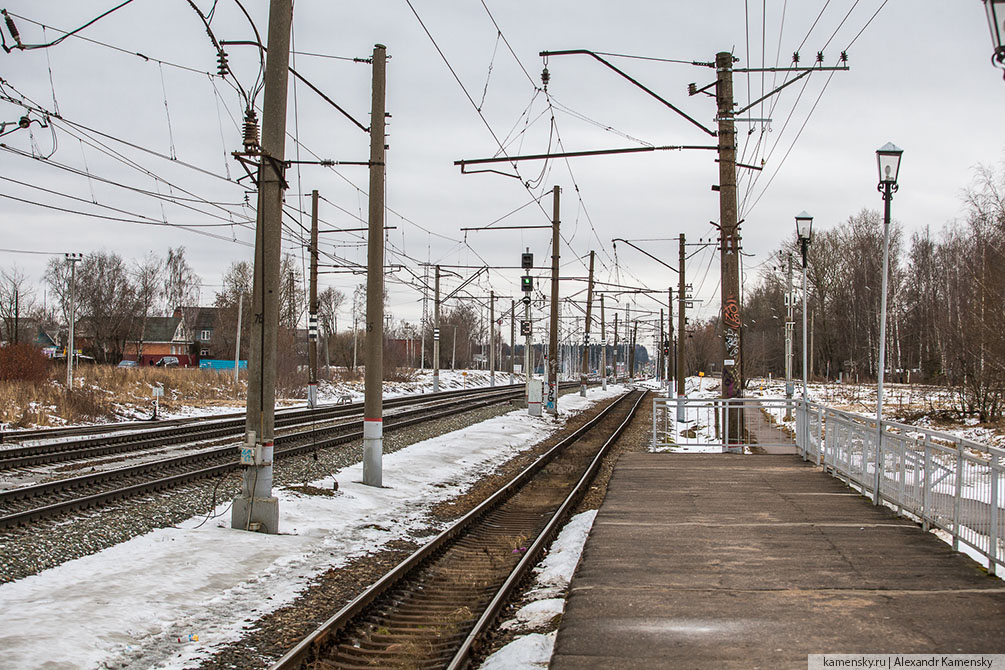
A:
(716, 424)
(943, 480)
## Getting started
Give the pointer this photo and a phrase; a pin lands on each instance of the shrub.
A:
(23, 362)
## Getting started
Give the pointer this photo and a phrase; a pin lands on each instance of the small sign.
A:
(729, 361)
(701, 374)
(436, 333)
(158, 391)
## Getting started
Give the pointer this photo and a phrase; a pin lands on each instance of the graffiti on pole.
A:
(731, 338)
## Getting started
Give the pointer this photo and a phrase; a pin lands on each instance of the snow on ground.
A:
(552, 576)
(128, 606)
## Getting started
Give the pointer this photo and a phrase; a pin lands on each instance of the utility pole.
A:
(732, 366)
(453, 353)
(681, 320)
(312, 316)
(72, 259)
(790, 326)
(237, 345)
(553, 326)
(492, 338)
(631, 351)
(615, 366)
(661, 345)
(436, 331)
(512, 341)
(373, 409)
(256, 508)
(585, 370)
(425, 315)
(603, 345)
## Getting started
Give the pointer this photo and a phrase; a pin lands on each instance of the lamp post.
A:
(804, 230)
(888, 161)
(996, 22)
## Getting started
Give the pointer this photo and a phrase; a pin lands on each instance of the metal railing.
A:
(717, 424)
(944, 481)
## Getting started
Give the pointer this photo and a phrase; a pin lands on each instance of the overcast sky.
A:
(920, 77)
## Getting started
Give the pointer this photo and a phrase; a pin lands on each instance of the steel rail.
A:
(207, 428)
(308, 443)
(310, 648)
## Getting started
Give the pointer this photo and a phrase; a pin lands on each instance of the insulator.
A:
(11, 27)
(844, 56)
(795, 58)
(24, 122)
(820, 56)
(250, 130)
(222, 68)
(545, 77)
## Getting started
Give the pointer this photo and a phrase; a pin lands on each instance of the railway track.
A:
(22, 506)
(435, 608)
(134, 439)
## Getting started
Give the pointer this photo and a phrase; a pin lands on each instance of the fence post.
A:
(957, 498)
(820, 436)
(993, 535)
(926, 495)
(903, 476)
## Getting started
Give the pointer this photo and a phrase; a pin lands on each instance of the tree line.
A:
(946, 296)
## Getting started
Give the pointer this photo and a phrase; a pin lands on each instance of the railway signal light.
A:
(525, 328)
(527, 261)
(526, 284)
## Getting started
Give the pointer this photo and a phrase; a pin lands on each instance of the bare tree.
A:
(17, 300)
(181, 286)
(148, 283)
(237, 285)
(106, 302)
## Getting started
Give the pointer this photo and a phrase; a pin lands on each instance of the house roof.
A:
(161, 329)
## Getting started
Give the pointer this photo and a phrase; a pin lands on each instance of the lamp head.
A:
(996, 22)
(804, 227)
(888, 160)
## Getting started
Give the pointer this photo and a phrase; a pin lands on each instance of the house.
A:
(199, 324)
(162, 336)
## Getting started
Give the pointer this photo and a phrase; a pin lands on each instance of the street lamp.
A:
(996, 22)
(888, 160)
(804, 230)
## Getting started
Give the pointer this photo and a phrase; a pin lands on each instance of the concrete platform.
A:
(727, 561)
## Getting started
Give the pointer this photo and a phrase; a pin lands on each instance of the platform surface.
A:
(728, 561)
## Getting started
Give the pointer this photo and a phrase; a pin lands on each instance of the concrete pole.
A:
(256, 508)
(492, 338)
(312, 317)
(585, 369)
(790, 326)
(681, 320)
(237, 344)
(425, 315)
(436, 331)
(512, 341)
(373, 440)
(603, 346)
(631, 351)
(615, 352)
(72, 259)
(453, 353)
(527, 361)
(661, 352)
(552, 404)
(732, 370)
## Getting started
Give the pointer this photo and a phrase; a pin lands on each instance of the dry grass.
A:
(102, 393)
